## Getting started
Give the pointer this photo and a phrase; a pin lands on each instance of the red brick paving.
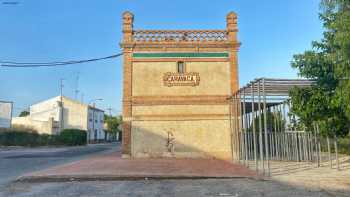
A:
(112, 166)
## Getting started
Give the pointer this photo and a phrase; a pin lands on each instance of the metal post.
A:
(316, 147)
(309, 146)
(282, 129)
(254, 129)
(304, 146)
(249, 137)
(238, 133)
(279, 131)
(272, 149)
(245, 129)
(237, 123)
(299, 147)
(260, 130)
(329, 153)
(231, 127)
(319, 143)
(290, 136)
(234, 123)
(266, 132)
(285, 147)
(336, 151)
(275, 130)
(241, 130)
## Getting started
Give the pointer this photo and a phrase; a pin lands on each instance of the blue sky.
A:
(271, 32)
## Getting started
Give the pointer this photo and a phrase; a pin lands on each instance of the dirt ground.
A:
(333, 181)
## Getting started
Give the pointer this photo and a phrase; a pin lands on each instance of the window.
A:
(180, 67)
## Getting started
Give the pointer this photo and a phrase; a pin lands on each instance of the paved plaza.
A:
(100, 171)
(112, 167)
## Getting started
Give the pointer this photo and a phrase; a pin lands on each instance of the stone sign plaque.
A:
(181, 79)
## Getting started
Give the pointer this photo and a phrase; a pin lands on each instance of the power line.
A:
(48, 64)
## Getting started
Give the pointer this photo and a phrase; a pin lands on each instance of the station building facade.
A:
(176, 85)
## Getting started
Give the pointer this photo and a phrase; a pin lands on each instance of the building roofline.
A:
(94, 108)
(70, 99)
(1, 101)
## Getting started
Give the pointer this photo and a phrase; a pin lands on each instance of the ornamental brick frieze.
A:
(180, 35)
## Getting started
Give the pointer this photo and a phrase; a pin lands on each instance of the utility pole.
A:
(61, 87)
(61, 104)
(82, 97)
(77, 86)
(110, 111)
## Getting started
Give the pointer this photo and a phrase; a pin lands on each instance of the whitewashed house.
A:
(58, 113)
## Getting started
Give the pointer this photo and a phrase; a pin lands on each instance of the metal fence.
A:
(266, 135)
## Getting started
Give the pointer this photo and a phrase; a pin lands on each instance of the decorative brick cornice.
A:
(214, 38)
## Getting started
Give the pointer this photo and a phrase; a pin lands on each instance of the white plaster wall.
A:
(74, 114)
(42, 127)
(46, 109)
(98, 124)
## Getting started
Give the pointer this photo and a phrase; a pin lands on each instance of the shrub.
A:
(72, 137)
(23, 137)
(18, 138)
(344, 145)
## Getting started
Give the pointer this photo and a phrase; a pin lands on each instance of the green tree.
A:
(328, 63)
(274, 122)
(113, 123)
(24, 113)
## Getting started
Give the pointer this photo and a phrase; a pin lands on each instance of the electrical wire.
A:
(49, 64)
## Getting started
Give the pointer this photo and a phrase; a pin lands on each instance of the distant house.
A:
(58, 113)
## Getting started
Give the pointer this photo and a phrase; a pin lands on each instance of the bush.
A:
(18, 137)
(344, 145)
(73, 137)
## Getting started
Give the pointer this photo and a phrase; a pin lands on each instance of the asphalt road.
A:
(160, 188)
(18, 161)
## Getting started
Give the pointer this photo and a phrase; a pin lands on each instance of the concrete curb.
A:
(82, 178)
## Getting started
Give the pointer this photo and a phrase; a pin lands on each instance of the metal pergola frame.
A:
(254, 136)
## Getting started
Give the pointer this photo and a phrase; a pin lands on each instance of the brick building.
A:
(175, 90)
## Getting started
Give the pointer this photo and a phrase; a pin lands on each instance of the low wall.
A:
(42, 127)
